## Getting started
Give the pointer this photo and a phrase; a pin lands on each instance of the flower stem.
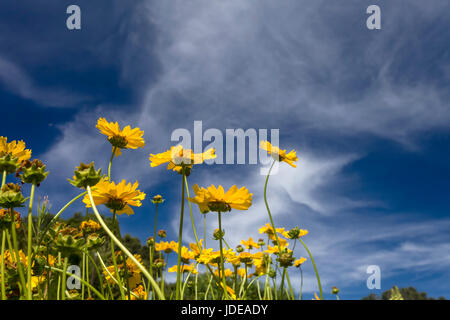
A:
(30, 233)
(123, 248)
(315, 268)
(180, 238)
(113, 256)
(222, 265)
(3, 265)
(110, 162)
(4, 178)
(16, 251)
(64, 276)
(190, 210)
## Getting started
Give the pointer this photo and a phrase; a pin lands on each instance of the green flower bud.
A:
(151, 241)
(86, 175)
(334, 290)
(286, 259)
(157, 199)
(261, 243)
(32, 172)
(68, 244)
(11, 196)
(218, 234)
(239, 249)
(94, 241)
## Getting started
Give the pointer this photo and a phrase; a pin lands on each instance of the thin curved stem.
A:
(190, 210)
(315, 268)
(123, 248)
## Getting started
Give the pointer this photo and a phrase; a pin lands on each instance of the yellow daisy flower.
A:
(177, 157)
(167, 247)
(116, 197)
(121, 139)
(15, 149)
(250, 244)
(279, 154)
(215, 199)
(299, 262)
(228, 273)
(184, 268)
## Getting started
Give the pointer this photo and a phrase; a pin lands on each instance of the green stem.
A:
(30, 233)
(16, 251)
(301, 284)
(190, 210)
(4, 178)
(3, 265)
(123, 248)
(64, 276)
(113, 256)
(222, 265)
(268, 210)
(180, 237)
(315, 268)
(110, 162)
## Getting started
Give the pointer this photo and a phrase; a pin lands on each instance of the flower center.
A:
(115, 204)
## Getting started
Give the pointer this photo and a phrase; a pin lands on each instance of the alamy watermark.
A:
(234, 146)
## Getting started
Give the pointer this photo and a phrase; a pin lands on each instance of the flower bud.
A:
(11, 196)
(286, 259)
(334, 290)
(261, 243)
(86, 175)
(239, 249)
(150, 241)
(159, 263)
(157, 199)
(218, 234)
(32, 172)
(162, 233)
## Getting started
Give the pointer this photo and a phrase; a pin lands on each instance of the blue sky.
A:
(367, 112)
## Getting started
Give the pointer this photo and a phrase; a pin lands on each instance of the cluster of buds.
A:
(32, 172)
(218, 234)
(11, 196)
(86, 175)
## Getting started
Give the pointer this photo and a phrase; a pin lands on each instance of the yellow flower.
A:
(89, 226)
(15, 149)
(121, 139)
(184, 268)
(316, 297)
(233, 258)
(116, 197)
(215, 199)
(228, 273)
(246, 257)
(167, 247)
(139, 293)
(279, 154)
(186, 255)
(267, 229)
(177, 157)
(250, 244)
(299, 262)
(276, 249)
(230, 291)
(196, 249)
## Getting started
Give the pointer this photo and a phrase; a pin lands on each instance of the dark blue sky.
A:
(367, 112)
